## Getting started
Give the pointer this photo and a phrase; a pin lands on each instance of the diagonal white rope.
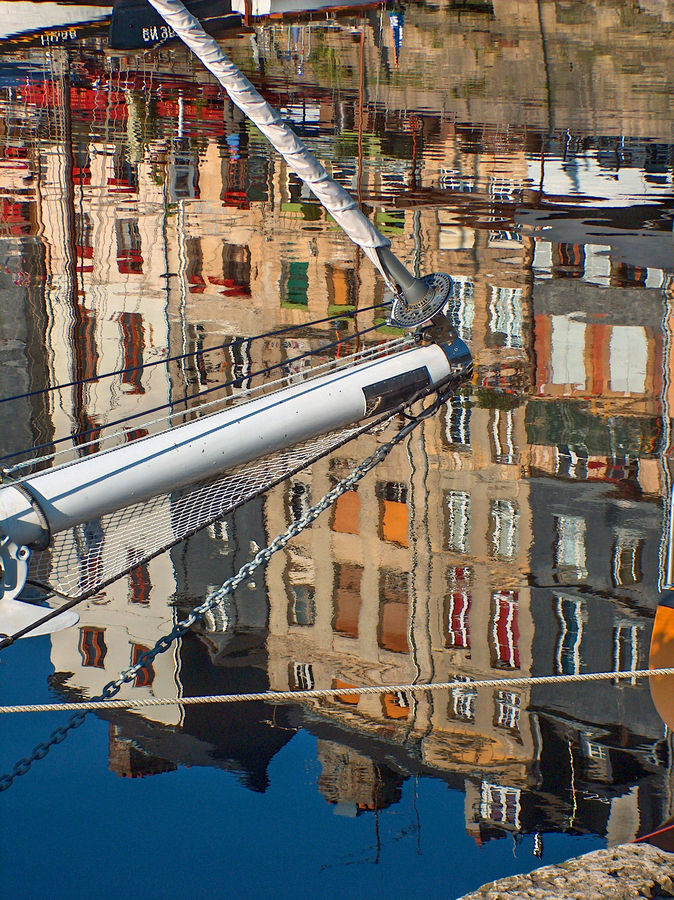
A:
(338, 202)
(327, 693)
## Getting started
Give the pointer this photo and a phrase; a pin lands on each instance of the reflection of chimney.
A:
(355, 783)
(128, 761)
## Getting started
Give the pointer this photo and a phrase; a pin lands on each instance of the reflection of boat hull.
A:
(135, 24)
(21, 18)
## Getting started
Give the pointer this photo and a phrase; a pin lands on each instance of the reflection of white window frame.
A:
(462, 698)
(627, 548)
(628, 359)
(303, 674)
(570, 615)
(505, 517)
(457, 420)
(504, 622)
(626, 648)
(458, 626)
(567, 352)
(570, 553)
(504, 449)
(501, 805)
(458, 520)
(506, 316)
(507, 706)
(461, 308)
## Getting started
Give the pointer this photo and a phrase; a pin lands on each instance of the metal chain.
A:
(228, 587)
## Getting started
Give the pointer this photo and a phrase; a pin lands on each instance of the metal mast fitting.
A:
(417, 299)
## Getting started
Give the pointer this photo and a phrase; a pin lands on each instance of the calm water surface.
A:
(528, 151)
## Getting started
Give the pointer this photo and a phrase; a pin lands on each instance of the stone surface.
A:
(621, 873)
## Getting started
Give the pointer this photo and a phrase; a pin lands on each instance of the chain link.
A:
(228, 587)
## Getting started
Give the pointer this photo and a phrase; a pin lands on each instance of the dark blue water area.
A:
(72, 828)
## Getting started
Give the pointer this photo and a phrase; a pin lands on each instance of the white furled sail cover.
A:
(338, 202)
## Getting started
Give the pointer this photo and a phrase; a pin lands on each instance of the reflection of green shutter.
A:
(297, 284)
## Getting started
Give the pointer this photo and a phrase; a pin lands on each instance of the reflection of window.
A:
(396, 705)
(393, 591)
(504, 525)
(85, 342)
(346, 697)
(502, 437)
(570, 618)
(347, 599)
(462, 699)
(235, 271)
(392, 497)
(570, 558)
(507, 706)
(505, 316)
(504, 634)
(139, 579)
(626, 648)
(461, 307)
(500, 804)
(458, 520)
(567, 351)
(239, 352)
(145, 675)
(133, 344)
(294, 283)
(345, 515)
(457, 607)
(92, 647)
(302, 609)
(341, 286)
(457, 418)
(299, 499)
(628, 359)
(569, 260)
(129, 255)
(627, 552)
(302, 676)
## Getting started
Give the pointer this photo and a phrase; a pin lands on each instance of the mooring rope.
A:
(228, 587)
(329, 693)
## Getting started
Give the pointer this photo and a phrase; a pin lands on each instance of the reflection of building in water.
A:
(182, 241)
(353, 782)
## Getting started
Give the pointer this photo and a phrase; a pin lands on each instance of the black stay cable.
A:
(193, 353)
(218, 387)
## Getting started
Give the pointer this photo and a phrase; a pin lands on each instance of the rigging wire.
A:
(218, 387)
(7, 640)
(181, 628)
(180, 356)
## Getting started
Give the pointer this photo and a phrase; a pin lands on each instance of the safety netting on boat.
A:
(83, 560)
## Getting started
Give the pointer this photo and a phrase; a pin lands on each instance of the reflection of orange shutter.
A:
(341, 287)
(346, 513)
(394, 522)
(351, 699)
(393, 631)
(393, 709)
(347, 600)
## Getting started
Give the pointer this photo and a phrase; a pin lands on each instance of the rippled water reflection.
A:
(527, 150)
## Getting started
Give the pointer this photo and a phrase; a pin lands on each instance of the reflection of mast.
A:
(78, 339)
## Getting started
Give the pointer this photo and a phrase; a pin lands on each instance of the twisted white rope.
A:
(321, 693)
